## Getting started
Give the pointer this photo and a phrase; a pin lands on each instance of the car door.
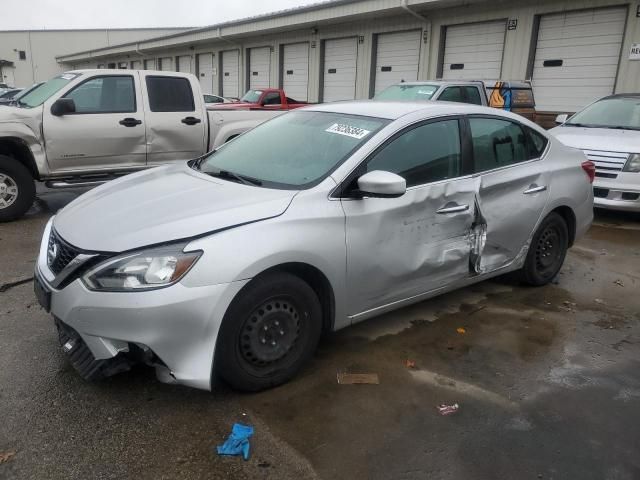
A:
(398, 248)
(105, 132)
(272, 101)
(176, 124)
(513, 184)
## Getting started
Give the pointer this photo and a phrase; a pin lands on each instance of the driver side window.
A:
(272, 99)
(424, 154)
(112, 94)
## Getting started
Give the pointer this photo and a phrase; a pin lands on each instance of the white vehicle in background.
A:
(608, 132)
(86, 127)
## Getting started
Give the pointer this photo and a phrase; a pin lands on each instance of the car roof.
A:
(393, 110)
(441, 82)
(622, 95)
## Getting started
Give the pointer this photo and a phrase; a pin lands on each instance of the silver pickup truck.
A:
(85, 127)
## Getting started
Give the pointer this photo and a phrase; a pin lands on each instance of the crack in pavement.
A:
(8, 286)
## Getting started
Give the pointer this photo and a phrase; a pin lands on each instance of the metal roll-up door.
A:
(474, 51)
(576, 58)
(259, 67)
(397, 58)
(230, 73)
(150, 64)
(166, 64)
(295, 71)
(205, 72)
(185, 65)
(340, 66)
(136, 64)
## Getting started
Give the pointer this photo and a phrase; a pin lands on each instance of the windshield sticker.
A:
(68, 76)
(348, 130)
(425, 92)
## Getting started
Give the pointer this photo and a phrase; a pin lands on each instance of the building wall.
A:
(518, 42)
(41, 48)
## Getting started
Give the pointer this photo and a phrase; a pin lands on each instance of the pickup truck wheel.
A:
(547, 251)
(17, 189)
(269, 332)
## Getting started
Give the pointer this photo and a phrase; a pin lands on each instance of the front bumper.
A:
(622, 193)
(179, 324)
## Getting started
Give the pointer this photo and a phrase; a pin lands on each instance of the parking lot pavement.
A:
(547, 382)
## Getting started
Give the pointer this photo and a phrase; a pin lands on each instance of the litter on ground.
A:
(448, 409)
(238, 441)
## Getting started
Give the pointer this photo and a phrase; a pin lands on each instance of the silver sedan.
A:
(231, 266)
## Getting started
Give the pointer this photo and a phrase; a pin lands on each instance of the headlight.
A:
(145, 270)
(633, 164)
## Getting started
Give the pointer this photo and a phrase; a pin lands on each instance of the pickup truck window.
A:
(407, 92)
(452, 94)
(272, 98)
(108, 94)
(41, 94)
(293, 151)
(252, 96)
(473, 95)
(170, 94)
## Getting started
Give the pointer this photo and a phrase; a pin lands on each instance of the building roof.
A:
(322, 12)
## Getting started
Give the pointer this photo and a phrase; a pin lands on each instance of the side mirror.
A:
(63, 106)
(560, 119)
(381, 184)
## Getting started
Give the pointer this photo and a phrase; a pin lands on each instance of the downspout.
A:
(139, 52)
(404, 4)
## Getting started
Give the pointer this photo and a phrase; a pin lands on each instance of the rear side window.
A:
(497, 143)
(170, 94)
(112, 94)
(272, 98)
(424, 154)
(537, 143)
(473, 95)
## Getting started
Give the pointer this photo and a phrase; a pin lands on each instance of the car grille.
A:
(59, 253)
(608, 164)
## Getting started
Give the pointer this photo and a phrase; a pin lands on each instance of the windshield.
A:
(294, 150)
(252, 96)
(407, 92)
(617, 112)
(41, 94)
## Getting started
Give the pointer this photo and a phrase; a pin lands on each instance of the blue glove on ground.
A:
(238, 441)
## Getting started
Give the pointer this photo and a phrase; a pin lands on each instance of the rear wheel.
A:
(547, 251)
(268, 333)
(17, 189)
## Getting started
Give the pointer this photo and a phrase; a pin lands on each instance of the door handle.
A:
(534, 189)
(452, 208)
(190, 120)
(130, 122)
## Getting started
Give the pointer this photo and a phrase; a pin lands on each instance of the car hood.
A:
(602, 139)
(161, 205)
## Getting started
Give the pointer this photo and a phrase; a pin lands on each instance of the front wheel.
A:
(17, 189)
(268, 333)
(547, 251)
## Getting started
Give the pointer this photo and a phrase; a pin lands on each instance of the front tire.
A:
(17, 189)
(547, 251)
(269, 332)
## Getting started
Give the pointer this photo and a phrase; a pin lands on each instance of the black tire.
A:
(269, 332)
(15, 175)
(547, 251)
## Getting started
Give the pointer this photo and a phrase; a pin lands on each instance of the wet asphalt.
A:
(547, 381)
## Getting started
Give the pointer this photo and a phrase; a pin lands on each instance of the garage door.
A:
(150, 64)
(136, 64)
(474, 51)
(230, 73)
(259, 67)
(576, 58)
(185, 64)
(339, 74)
(166, 63)
(397, 58)
(205, 72)
(295, 71)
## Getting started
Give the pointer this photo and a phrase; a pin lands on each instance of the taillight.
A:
(590, 168)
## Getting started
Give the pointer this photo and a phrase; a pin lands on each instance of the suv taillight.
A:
(590, 168)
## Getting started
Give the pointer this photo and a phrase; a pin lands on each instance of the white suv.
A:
(608, 131)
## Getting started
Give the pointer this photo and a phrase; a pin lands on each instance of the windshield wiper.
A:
(234, 177)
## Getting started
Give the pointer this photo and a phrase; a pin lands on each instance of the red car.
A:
(261, 99)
